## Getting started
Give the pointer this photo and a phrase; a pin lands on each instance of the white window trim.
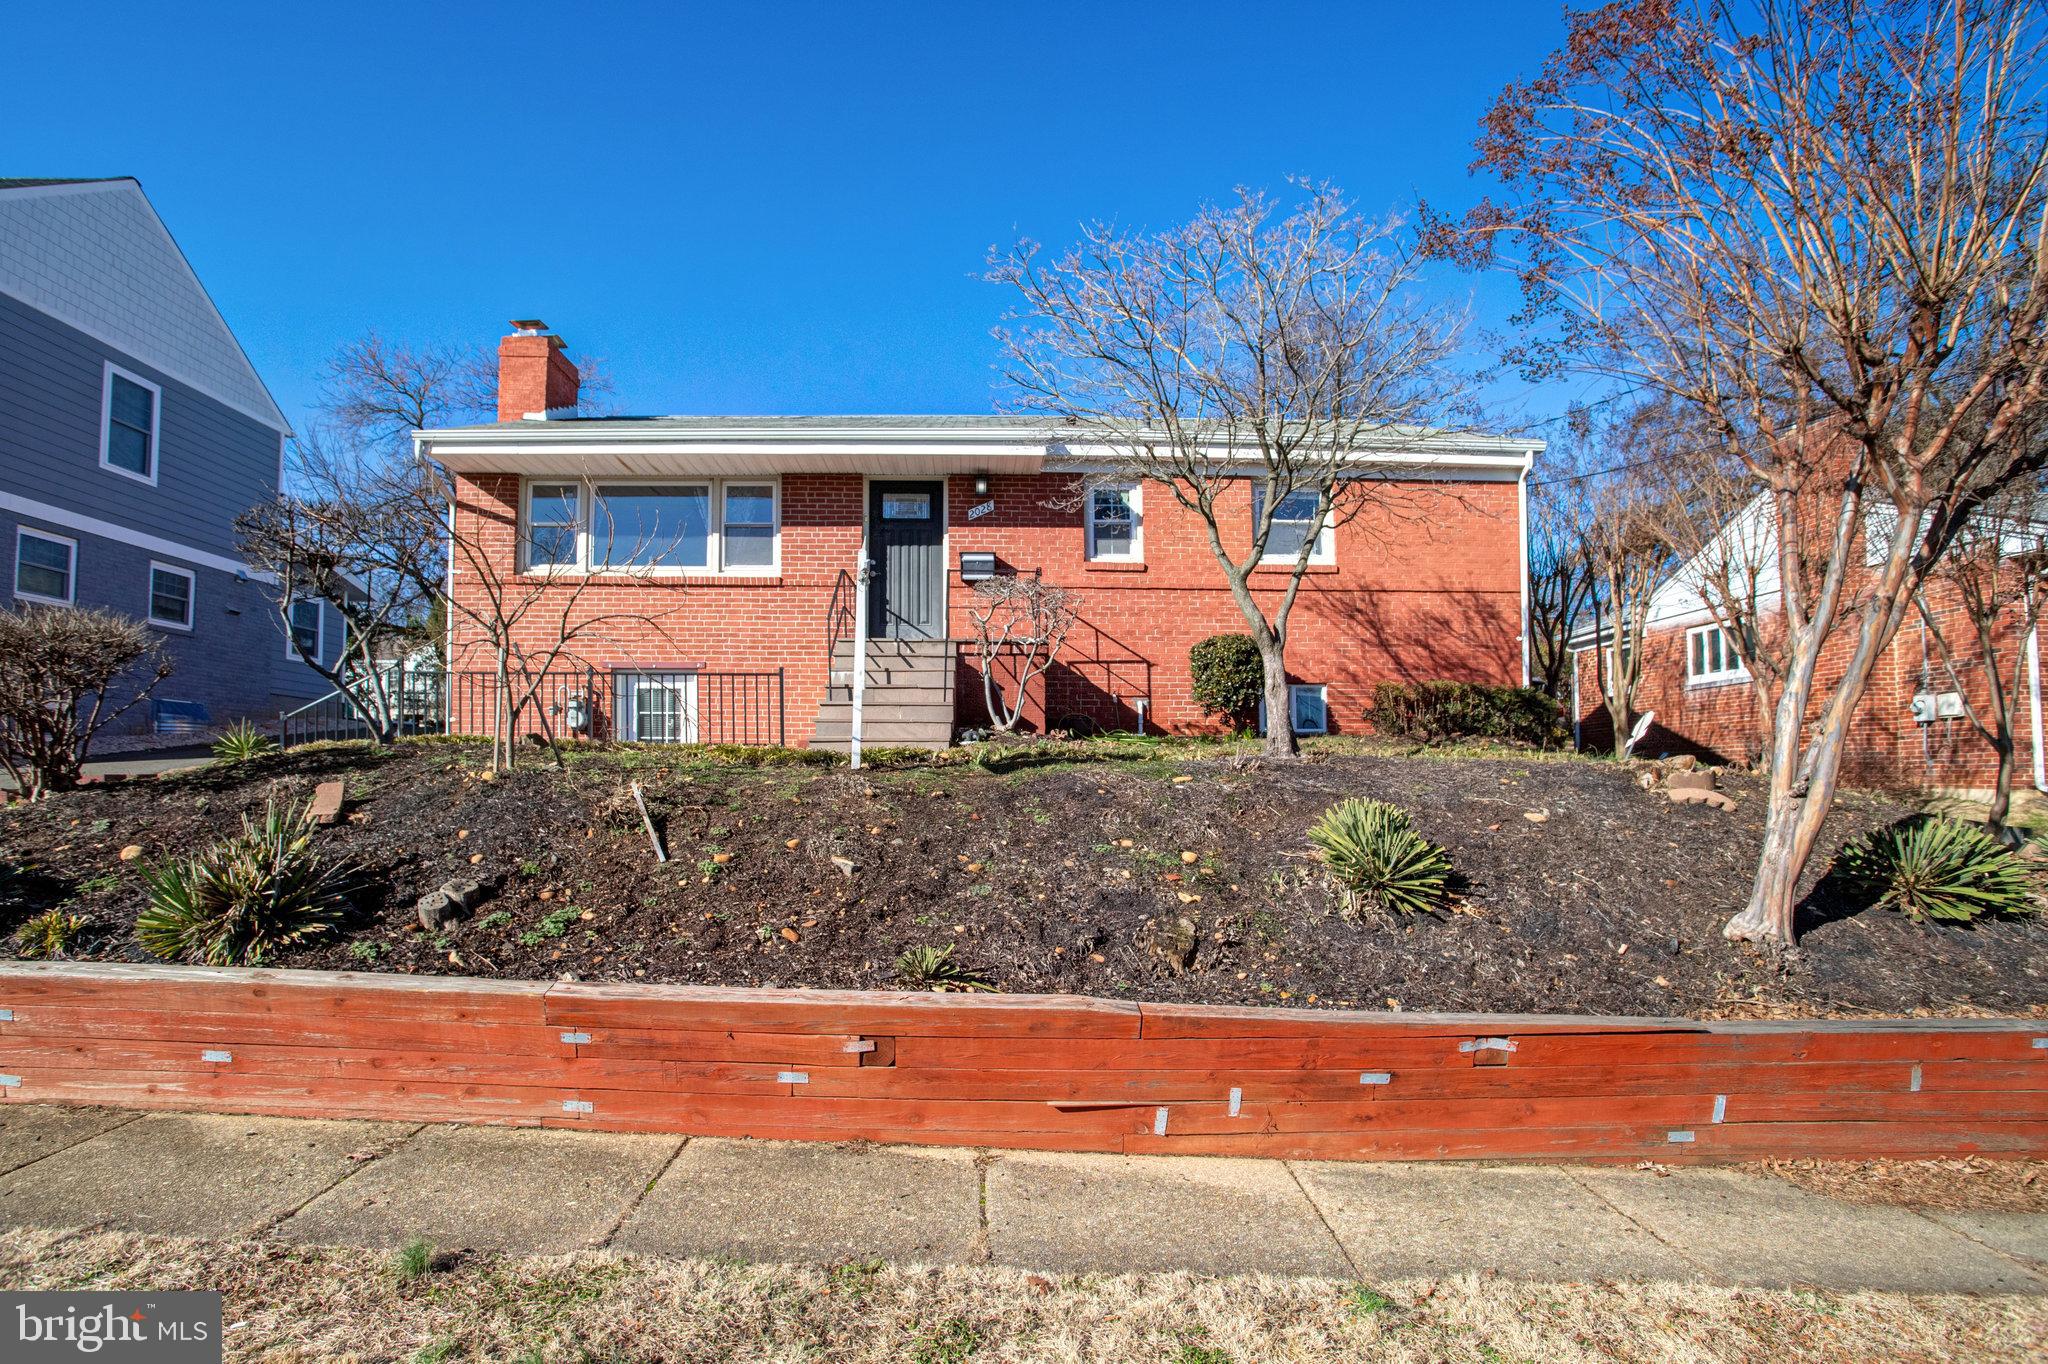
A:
(191, 597)
(1136, 494)
(70, 573)
(586, 510)
(291, 647)
(1322, 693)
(156, 424)
(1325, 551)
(1739, 673)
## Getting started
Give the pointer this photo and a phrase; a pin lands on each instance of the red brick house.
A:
(746, 616)
(1910, 732)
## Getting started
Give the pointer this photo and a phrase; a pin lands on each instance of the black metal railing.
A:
(839, 612)
(581, 703)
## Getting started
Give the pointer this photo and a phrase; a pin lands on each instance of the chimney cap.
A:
(530, 326)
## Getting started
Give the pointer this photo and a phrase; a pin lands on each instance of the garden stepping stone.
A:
(326, 807)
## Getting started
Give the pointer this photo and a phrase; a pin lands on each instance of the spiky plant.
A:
(933, 968)
(48, 934)
(240, 900)
(1379, 859)
(1938, 869)
(241, 741)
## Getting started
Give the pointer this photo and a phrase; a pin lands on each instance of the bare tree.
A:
(1560, 579)
(1988, 590)
(65, 675)
(354, 538)
(1021, 621)
(1817, 226)
(1243, 348)
(1627, 562)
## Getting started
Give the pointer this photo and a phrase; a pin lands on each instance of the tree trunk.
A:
(2001, 787)
(1800, 797)
(1280, 742)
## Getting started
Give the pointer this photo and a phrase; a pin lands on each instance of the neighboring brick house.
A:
(1910, 731)
(133, 429)
(755, 601)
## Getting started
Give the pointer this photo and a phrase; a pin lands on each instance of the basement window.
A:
(656, 708)
(1311, 707)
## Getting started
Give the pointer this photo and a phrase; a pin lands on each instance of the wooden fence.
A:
(1055, 1072)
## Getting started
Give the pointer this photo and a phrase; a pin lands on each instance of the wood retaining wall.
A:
(1055, 1072)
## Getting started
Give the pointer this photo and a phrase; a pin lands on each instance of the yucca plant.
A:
(238, 901)
(48, 934)
(242, 741)
(1379, 859)
(1938, 869)
(933, 968)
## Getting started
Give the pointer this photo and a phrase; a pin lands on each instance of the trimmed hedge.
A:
(1436, 712)
(1229, 676)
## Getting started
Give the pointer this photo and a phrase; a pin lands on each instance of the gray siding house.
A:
(133, 429)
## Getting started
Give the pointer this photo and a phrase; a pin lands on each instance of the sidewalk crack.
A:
(1323, 1218)
(355, 1168)
(2031, 1268)
(73, 1145)
(632, 1204)
(1646, 1229)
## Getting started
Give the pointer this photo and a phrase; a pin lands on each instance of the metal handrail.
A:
(839, 612)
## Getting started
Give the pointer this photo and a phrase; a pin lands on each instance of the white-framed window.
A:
(1291, 520)
(131, 409)
(747, 526)
(656, 707)
(1116, 525)
(173, 593)
(309, 629)
(1310, 703)
(45, 567)
(554, 525)
(653, 525)
(1710, 656)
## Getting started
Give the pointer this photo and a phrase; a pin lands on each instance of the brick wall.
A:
(1426, 584)
(1887, 747)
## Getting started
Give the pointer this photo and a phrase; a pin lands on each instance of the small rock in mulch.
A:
(1172, 941)
(131, 852)
(846, 865)
(1693, 795)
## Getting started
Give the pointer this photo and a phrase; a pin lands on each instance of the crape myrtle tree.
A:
(1627, 561)
(1560, 578)
(1249, 344)
(1816, 225)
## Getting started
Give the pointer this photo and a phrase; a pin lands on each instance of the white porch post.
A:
(860, 649)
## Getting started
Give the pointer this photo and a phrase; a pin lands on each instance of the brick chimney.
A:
(535, 376)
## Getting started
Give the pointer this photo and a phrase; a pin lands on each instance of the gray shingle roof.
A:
(7, 182)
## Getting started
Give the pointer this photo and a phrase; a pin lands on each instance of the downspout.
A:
(1578, 725)
(2034, 707)
(1522, 515)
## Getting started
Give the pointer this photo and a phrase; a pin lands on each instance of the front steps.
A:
(909, 700)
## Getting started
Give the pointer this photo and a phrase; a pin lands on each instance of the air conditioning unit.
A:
(977, 567)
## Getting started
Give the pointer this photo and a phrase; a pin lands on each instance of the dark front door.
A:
(907, 543)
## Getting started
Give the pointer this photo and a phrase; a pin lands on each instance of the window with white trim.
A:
(45, 567)
(747, 530)
(1710, 656)
(654, 525)
(656, 708)
(1293, 516)
(172, 591)
(1311, 707)
(308, 626)
(1115, 525)
(554, 525)
(130, 408)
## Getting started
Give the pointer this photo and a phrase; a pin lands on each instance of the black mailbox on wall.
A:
(976, 567)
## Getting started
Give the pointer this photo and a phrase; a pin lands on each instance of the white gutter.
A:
(1578, 738)
(2034, 707)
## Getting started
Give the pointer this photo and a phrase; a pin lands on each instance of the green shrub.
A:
(1434, 712)
(1938, 869)
(238, 901)
(1229, 677)
(1376, 855)
(48, 934)
(933, 968)
(241, 741)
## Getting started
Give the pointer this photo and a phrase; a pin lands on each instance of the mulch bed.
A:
(1581, 892)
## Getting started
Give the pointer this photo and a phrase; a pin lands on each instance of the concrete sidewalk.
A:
(543, 1192)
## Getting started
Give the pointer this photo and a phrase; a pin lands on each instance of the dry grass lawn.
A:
(288, 1303)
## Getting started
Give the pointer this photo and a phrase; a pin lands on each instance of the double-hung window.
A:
(128, 426)
(1292, 517)
(653, 527)
(1115, 528)
(1710, 656)
(45, 567)
(171, 591)
(308, 623)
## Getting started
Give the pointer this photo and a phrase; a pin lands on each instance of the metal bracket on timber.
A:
(1489, 1051)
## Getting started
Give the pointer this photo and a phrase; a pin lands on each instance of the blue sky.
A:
(739, 208)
